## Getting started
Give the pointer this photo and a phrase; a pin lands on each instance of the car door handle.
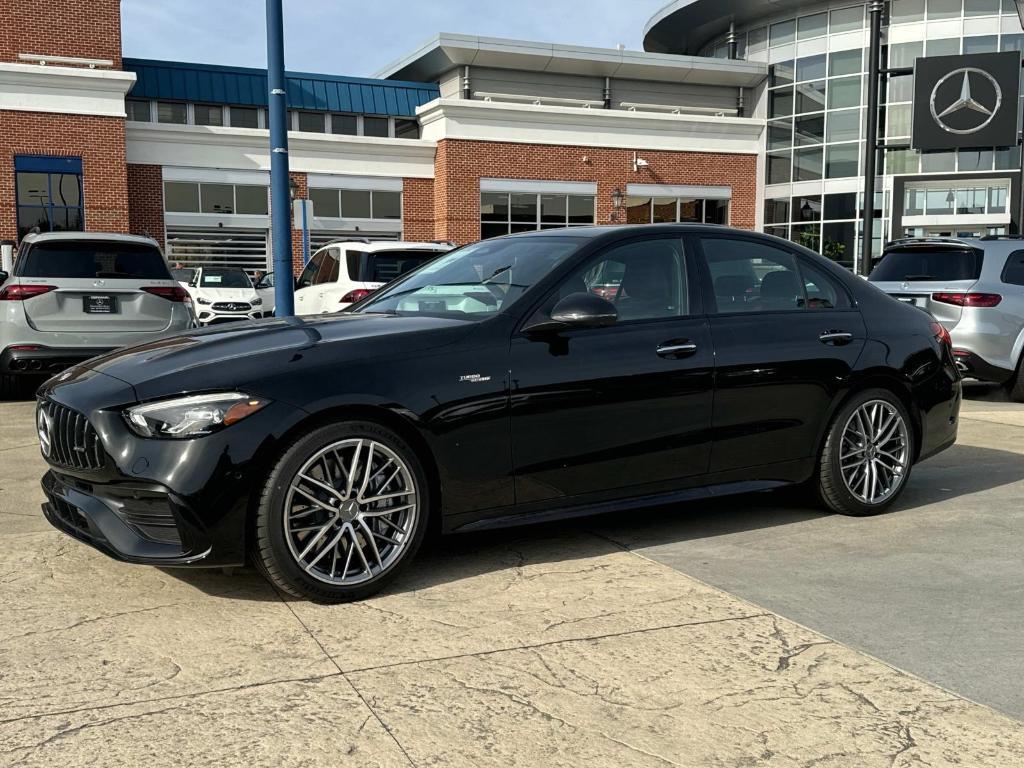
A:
(676, 349)
(837, 338)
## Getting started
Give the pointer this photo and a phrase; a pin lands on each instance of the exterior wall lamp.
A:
(618, 198)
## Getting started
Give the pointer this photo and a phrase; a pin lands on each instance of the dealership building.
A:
(738, 112)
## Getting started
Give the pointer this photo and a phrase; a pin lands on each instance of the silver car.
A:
(75, 295)
(975, 288)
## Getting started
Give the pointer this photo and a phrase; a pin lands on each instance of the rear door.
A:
(927, 274)
(306, 286)
(99, 286)
(786, 338)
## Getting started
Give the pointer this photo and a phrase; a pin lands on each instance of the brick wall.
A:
(146, 201)
(460, 164)
(302, 192)
(89, 29)
(99, 141)
(418, 209)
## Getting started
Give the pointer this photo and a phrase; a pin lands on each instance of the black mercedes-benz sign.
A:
(966, 101)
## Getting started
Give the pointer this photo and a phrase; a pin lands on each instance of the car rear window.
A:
(928, 264)
(84, 259)
(385, 266)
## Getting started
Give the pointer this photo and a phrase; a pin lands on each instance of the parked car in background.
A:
(75, 295)
(975, 288)
(342, 273)
(265, 290)
(495, 387)
(222, 294)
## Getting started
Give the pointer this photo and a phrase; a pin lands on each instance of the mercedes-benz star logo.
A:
(43, 428)
(977, 104)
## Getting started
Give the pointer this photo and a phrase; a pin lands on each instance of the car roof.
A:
(595, 232)
(389, 245)
(112, 237)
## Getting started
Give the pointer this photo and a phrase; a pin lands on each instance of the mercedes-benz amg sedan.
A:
(525, 378)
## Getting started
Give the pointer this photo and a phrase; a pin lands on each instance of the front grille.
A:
(232, 306)
(74, 444)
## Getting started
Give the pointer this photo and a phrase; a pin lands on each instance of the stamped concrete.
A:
(548, 646)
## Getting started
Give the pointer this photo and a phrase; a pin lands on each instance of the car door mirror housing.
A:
(577, 311)
(3, 276)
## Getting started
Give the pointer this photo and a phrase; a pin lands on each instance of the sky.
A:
(360, 38)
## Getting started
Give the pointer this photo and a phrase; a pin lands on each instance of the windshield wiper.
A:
(919, 277)
(497, 272)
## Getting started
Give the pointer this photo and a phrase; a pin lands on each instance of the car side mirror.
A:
(577, 311)
(4, 276)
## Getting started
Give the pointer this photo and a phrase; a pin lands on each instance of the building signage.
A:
(966, 101)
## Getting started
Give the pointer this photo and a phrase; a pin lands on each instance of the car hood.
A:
(241, 354)
(225, 294)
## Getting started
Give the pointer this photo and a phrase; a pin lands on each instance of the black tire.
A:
(1015, 389)
(270, 551)
(831, 488)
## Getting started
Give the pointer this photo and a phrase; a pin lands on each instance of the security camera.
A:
(639, 162)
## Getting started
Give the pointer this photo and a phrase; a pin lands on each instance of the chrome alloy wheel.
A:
(350, 512)
(875, 452)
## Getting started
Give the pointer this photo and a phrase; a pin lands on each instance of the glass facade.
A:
(815, 107)
(502, 213)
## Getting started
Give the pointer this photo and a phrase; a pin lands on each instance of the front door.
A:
(596, 412)
(786, 339)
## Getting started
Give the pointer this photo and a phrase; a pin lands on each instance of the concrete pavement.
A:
(549, 646)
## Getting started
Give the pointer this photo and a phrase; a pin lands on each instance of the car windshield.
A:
(183, 275)
(928, 264)
(224, 278)
(91, 260)
(478, 280)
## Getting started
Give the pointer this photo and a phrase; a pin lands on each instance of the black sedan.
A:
(526, 378)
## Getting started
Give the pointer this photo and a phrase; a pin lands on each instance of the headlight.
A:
(193, 416)
(203, 301)
(257, 302)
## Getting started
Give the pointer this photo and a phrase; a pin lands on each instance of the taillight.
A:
(969, 299)
(942, 335)
(355, 295)
(175, 293)
(22, 292)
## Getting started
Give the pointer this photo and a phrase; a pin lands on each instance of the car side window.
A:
(748, 276)
(329, 270)
(822, 291)
(645, 280)
(309, 272)
(1013, 272)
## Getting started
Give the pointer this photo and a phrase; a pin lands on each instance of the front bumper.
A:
(209, 316)
(136, 524)
(37, 359)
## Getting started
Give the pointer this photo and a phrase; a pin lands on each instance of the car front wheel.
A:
(868, 455)
(343, 512)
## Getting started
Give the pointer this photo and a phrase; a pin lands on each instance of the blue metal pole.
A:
(280, 202)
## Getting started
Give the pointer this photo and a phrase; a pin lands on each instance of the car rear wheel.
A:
(1016, 387)
(343, 512)
(868, 455)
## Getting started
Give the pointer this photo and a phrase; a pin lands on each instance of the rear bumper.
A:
(973, 366)
(35, 359)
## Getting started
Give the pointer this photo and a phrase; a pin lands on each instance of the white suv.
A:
(75, 295)
(347, 271)
(221, 294)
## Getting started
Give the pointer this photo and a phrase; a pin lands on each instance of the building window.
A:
(407, 129)
(208, 114)
(670, 210)
(345, 125)
(380, 204)
(311, 122)
(49, 194)
(244, 117)
(221, 199)
(137, 110)
(502, 213)
(171, 112)
(376, 126)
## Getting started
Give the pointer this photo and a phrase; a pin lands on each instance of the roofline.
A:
(446, 51)
(128, 62)
(685, 26)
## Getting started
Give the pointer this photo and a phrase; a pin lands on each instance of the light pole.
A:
(280, 198)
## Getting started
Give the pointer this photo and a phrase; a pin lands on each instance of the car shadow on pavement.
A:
(961, 471)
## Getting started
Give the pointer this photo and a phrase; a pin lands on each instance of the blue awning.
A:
(47, 164)
(242, 86)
